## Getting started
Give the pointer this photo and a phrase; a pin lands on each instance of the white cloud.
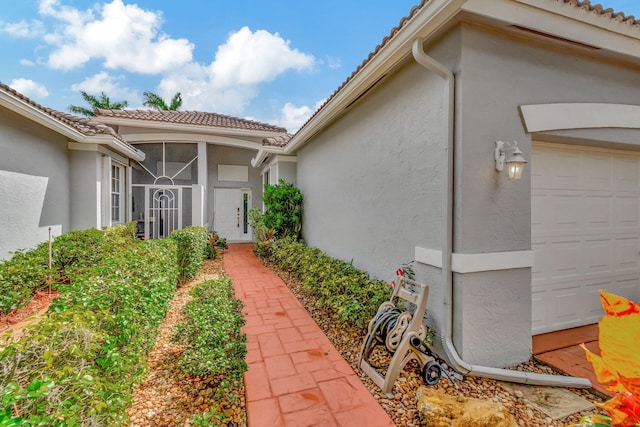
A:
(123, 36)
(23, 28)
(110, 85)
(292, 117)
(231, 80)
(27, 63)
(29, 88)
(334, 63)
(253, 57)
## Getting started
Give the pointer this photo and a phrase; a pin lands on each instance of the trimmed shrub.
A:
(27, 272)
(211, 335)
(283, 209)
(78, 365)
(349, 294)
(192, 245)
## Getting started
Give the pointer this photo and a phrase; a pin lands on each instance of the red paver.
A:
(296, 377)
(562, 350)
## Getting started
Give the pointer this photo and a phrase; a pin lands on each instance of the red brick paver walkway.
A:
(296, 377)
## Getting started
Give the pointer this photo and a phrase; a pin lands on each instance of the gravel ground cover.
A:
(402, 407)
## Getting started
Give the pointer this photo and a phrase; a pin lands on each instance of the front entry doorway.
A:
(231, 213)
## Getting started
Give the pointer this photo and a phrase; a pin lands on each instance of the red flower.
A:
(399, 272)
(392, 284)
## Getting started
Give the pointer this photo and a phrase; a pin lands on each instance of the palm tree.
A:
(103, 103)
(156, 102)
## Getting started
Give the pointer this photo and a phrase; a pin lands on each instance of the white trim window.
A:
(117, 194)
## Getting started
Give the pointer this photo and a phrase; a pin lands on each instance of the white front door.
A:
(585, 232)
(231, 208)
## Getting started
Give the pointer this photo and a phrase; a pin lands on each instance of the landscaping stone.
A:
(442, 410)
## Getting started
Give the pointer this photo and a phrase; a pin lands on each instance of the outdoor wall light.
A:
(515, 162)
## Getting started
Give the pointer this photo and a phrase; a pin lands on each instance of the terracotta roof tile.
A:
(277, 141)
(598, 9)
(87, 126)
(197, 118)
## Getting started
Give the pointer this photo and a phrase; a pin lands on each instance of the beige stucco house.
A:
(399, 164)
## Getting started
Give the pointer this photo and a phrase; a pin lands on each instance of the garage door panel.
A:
(598, 256)
(626, 211)
(596, 172)
(626, 174)
(585, 232)
(598, 210)
(626, 287)
(626, 254)
(567, 213)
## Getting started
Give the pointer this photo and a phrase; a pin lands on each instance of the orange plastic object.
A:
(618, 366)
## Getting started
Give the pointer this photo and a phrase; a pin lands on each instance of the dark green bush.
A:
(349, 294)
(77, 366)
(27, 272)
(192, 245)
(283, 209)
(211, 335)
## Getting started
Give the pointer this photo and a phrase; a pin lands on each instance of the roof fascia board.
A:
(116, 145)
(34, 114)
(562, 20)
(79, 146)
(141, 138)
(432, 17)
(263, 153)
(30, 112)
(179, 127)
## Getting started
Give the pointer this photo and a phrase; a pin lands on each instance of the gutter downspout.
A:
(452, 355)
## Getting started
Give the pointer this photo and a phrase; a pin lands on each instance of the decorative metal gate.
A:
(163, 211)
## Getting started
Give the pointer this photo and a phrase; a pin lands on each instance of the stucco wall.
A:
(287, 171)
(85, 185)
(31, 154)
(372, 181)
(500, 73)
(493, 214)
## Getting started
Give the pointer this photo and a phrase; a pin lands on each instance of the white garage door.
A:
(585, 232)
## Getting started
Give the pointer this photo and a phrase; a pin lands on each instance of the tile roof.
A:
(598, 9)
(87, 126)
(277, 141)
(579, 4)
(197, 118)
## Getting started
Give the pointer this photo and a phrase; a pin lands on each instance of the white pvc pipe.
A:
(452, 356)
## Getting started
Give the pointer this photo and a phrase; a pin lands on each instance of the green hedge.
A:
(77, 366)
(349, 294)
(27, 272)
(211, 335)
(192, 250)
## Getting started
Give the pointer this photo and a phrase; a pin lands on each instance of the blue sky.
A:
(272, 61)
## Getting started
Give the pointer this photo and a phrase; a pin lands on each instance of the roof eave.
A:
(572, 23)
(428, 21)
(263, 153)
(116, 145)
(32, 113)
(563, 20)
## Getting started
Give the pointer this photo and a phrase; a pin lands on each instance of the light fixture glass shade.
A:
(515, 164)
